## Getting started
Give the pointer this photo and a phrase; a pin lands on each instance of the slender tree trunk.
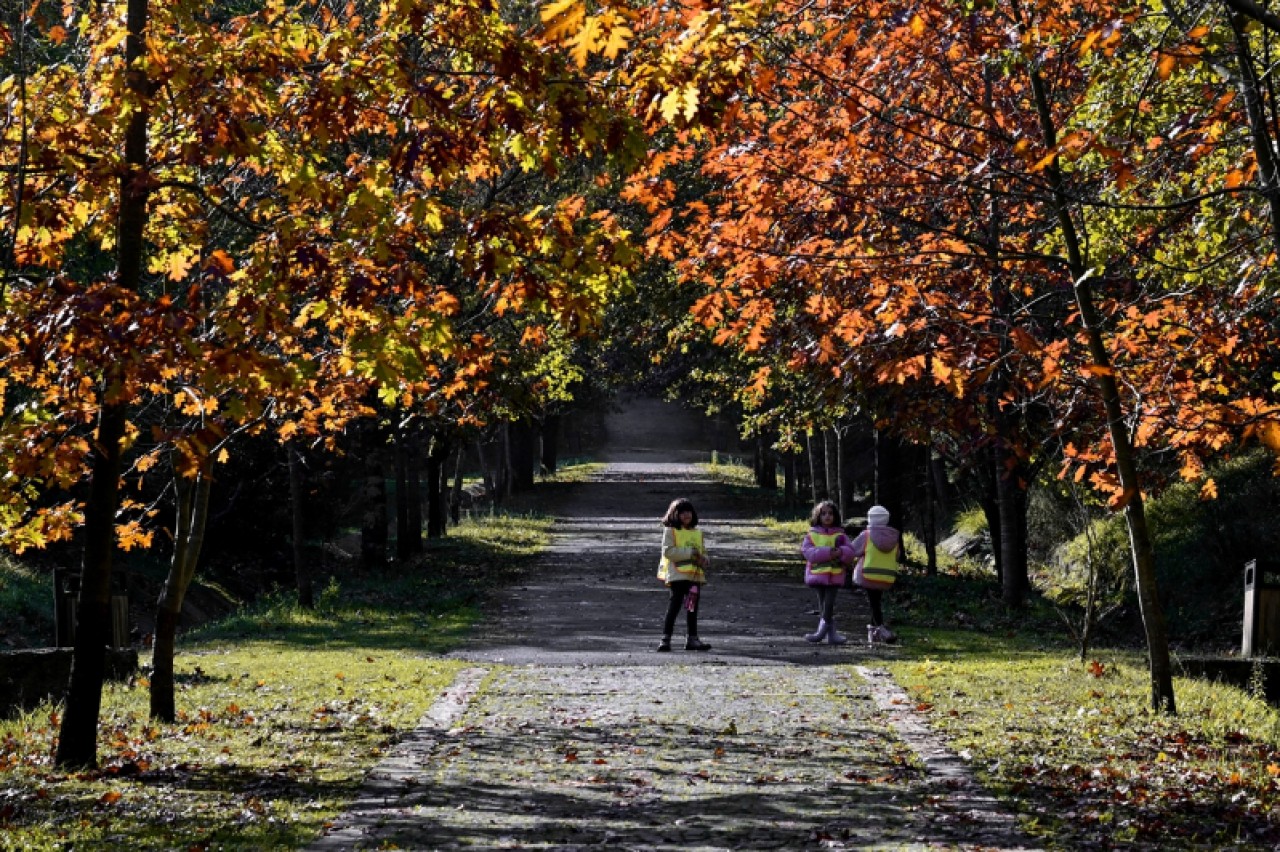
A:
(769, 461)
(297, 500)
(437, 456)
(789, 466)
(813, 468)
(413, 492)
(8, 253)
(841, 487)
(192, 515)
(1011, 500)
(1263, 144)
(1161, 669)
(373, 522)
(832, 472)
(550, 448)
(455, 499)
(989, 475)
(521, 453)
(930, 515)
(400, 456)
(77, 738)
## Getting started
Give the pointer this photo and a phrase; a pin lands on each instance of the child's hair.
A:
(815, 519)
(672, 517)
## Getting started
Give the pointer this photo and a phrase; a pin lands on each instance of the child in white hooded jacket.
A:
(876, 549)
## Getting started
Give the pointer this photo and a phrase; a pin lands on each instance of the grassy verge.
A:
(283, 711)
(1072, 745)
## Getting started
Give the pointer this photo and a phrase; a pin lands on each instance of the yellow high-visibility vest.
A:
(669, 571)
(831, 567)
(879, 568)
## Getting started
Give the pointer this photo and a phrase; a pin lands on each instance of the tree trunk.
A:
(490, 481)
(789, 466)
(455, 498)
(373, 521)
(988, 476)
(841, 489)
(78, 736)
(930, 521)
(1011, 503)
(813, 467)
(1161, 669)
(437, 456)
(297, 499)
(521, 447)
(1263, 144)
(400, 456)
(830, 469)
(413, 492)
(192, 513)
(550, 448)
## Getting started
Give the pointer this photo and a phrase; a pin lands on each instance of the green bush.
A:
(1201, 547)
(26, 599)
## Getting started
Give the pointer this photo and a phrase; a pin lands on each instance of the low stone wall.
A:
(30, 676)
(1237, 671)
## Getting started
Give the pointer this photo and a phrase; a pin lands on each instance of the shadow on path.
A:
(570, 732)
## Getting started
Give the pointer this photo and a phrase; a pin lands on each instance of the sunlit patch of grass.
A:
(1076, 748)
(729, 470)
(271, 743)
(283, 710)
(574, 472)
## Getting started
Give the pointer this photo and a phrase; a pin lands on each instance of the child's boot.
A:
(665, 644)
(821, 632)
(693, 643)
(834, 637)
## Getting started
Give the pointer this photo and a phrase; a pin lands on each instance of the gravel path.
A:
(569, 732)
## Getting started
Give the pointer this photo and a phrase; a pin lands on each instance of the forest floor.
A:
(566, 730)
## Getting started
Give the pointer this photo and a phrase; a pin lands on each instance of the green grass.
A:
(1074, 748)
(283, 711)
(1072, 745)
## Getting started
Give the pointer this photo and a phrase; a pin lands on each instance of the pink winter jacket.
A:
(813, 555)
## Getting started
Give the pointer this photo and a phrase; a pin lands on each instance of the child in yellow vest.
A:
(876, 549)
(683, 568)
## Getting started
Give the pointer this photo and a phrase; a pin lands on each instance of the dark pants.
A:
(874, 597)
(679, 589)
(826, 601)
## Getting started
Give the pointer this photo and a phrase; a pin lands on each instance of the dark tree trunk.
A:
(400, 457)
(437, 456)
(929, 514)
(1012, 505)
(192, 512)
(78, 735)
(550, 444)
(841, 487)
(789, 494)
(413, 493)
(766, 466)
(373, 522)
(298, 512)
(988, 476)
(832, 472)
(455, 497)
(521, 445)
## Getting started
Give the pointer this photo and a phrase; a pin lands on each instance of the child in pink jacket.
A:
(826, 552)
